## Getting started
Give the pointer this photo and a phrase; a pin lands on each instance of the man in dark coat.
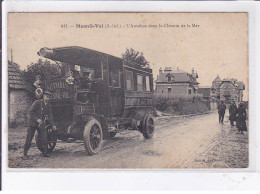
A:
(232, 113)
(221, 111)
(39, 111)
(85, 81)
(241, 118)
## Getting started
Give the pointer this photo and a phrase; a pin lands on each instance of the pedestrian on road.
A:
(232, 113)
(39, 111)
(241, 118)
(221, 111)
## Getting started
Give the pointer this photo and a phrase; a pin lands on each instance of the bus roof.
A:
(76, 55)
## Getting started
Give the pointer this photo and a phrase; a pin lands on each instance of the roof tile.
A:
(15, 80)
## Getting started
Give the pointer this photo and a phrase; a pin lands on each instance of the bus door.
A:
(116, 91)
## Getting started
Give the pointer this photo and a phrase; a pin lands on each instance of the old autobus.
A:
(118, 96)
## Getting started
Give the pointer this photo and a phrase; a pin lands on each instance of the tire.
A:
(51, 137)
(147, 126)
(93, 136)
(112, 134)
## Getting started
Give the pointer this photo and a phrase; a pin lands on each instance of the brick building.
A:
(227, 90)
(177, 82)
(18, 99)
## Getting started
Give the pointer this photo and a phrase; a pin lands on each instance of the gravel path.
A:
(195, 142)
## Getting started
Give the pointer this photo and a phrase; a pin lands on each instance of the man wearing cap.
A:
(221, 111)
(39, 111)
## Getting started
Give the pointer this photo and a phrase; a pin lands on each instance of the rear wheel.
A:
(93, 136)
(51, 137)
(147, 126)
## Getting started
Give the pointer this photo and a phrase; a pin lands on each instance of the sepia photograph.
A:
(136, 90)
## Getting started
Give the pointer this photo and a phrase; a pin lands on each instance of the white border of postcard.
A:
(24, 179)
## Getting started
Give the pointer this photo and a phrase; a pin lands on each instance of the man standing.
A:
(232, 113)
(241, 118)
(39, 112)
(221, 111)
(85, 81)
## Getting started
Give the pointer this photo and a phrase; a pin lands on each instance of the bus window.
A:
(147, 81)
(129, 80)
(114, 78)
(139, 83)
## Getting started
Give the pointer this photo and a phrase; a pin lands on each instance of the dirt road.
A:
(196, 142)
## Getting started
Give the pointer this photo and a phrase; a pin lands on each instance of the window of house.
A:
(129, 80)
(169, 90)
(147, 81)
(169, 78)
(189, 91)
(139, 83)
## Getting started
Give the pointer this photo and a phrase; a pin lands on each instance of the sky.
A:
(216, 44)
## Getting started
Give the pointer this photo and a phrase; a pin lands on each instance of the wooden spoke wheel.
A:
(51, 137)
(93, 136)
(147, 126)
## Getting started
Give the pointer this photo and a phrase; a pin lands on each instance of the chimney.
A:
(193, 73)
(160, 70)
(167, 70)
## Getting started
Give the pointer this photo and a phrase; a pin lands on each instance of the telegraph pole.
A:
(12, 58)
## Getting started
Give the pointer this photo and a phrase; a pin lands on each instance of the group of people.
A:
(236, 114)
(83, 82)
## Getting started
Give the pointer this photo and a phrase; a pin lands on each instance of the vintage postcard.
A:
(128, 90)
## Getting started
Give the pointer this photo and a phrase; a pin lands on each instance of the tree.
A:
(136, 57)
(45, 69)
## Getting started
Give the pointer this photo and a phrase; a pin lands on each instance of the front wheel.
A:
(93, 136)
(51, 137)
(147, 126)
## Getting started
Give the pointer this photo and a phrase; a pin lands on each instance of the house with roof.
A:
(227, 90)
(18, 98)
(177, 82)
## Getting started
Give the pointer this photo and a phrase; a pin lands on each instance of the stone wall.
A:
(19, 103)
(213, 106)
